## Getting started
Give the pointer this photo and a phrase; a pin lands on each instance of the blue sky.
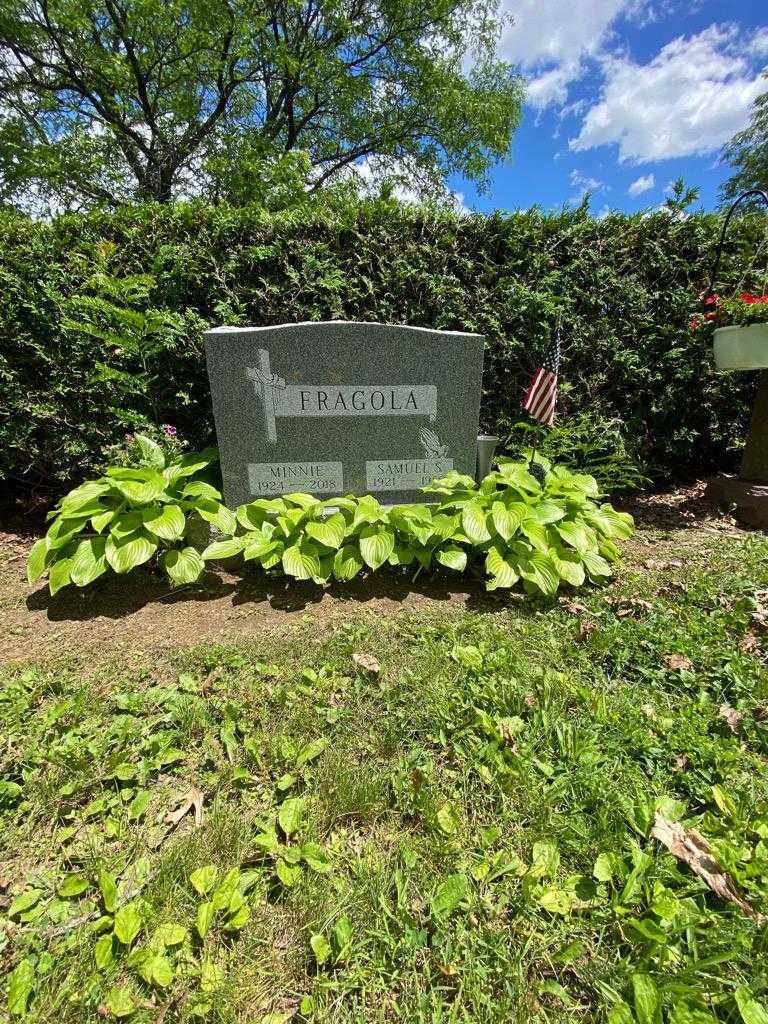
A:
(624, 96)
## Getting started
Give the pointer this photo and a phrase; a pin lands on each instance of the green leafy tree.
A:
(748, 152)
(110, 101)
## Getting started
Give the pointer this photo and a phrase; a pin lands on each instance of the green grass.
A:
(478, 815)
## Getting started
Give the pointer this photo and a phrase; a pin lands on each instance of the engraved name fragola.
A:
(316, 401)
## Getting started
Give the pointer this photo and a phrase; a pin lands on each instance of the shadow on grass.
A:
(118, 597)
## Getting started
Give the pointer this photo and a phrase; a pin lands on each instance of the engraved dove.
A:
(431, 444)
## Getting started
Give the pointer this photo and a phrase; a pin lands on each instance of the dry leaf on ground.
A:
(573, 607)
(191, 800)
(586, 628)
(732, 717)
(655, 563)
(692, 849)
(678, 662)
(749, 644)
(367, 662)
(627, 605)
(681, 762)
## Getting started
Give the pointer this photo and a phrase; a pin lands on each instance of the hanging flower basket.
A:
(740, 337)
(741, 348)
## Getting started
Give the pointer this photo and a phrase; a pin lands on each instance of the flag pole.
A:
(536, 469)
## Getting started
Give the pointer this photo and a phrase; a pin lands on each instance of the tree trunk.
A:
(754, 463)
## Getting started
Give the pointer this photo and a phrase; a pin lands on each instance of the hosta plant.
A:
(513, 527)
(128, 517)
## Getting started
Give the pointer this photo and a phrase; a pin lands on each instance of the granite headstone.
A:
(343, 408)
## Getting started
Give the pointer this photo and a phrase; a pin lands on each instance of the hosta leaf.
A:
(569, 565)
(126, 523)
(141, 492)
(125, 554)
(88, 561)
(37, 560)
(473, 523)
(610, 522)
(504, 521)
(103, 519)
(347, 563)
(540, 571)
(516, 475)
(219, 515)
(223, 549)
(62, 531)
(501, 568)
(595, 564)
(165, 521)
(184, 565)
(376, 545)
(300, 560)
(329, 532)
(151, 452)
(536, 534)
(453, 557)
(547, 511)
(573, 534)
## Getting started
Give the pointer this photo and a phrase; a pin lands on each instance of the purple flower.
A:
(169, 431)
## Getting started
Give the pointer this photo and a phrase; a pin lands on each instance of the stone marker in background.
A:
(343, 408)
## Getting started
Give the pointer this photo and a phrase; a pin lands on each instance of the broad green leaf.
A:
(103, 952)
(127, 923)
(752, 1012)
(141, 492)
(226, 889)
(151, 452)
(540, 570)
(449, 894)
(603, 868)
(25, 901)
(536, 534)
(125, 554)
(505, 522)
(547, 511)
(347, 563)
(569, 565)
(448, 818)
(500, 567)
(545, 860)
(342, 937)
(301, 561)
(120, 1002)
(453, 557)
(610, 522)
(20, 985)
(321, 947)
(108, 888)
(219, 516)
(103, 519)
(161, 971)
(329, 532)
(165, 521)
(139, 804)
(289, 874)
(368, 511)
(73, 884)
(291, 814)
(595, 564)
(36, 561)
(58, 576)
(88, 561)
(646, 998)
(204, 879)
(556, 900)
(517, 475)
(311, 750)
(316, 857)
(183, 566)
(473, 523)
(204, 919)
(62, 531)
(376, 545)
(574, 535)
(170, 934)
(223, 549)
(126, 523)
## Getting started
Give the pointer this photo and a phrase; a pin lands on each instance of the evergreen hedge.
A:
(624, 287)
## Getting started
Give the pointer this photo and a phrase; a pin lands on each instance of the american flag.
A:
(541, 396)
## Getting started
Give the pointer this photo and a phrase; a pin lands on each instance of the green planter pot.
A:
(741, 348)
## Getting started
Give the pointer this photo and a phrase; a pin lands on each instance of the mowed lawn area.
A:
(463, 835)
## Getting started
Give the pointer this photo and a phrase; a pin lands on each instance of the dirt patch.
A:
(141, 613)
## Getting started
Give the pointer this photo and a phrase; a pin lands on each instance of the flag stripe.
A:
(541, 397)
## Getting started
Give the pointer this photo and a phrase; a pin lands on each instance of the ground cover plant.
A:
(543, 530)
(456, 815)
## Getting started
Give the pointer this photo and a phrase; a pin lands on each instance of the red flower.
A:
(747, 297)
(711, 300)
(710, 316)
(693, 324)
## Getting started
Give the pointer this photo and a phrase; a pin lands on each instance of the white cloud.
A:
(642, 184)
(583, 183)
(408, 186)
(551, 39)
(690, 99)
